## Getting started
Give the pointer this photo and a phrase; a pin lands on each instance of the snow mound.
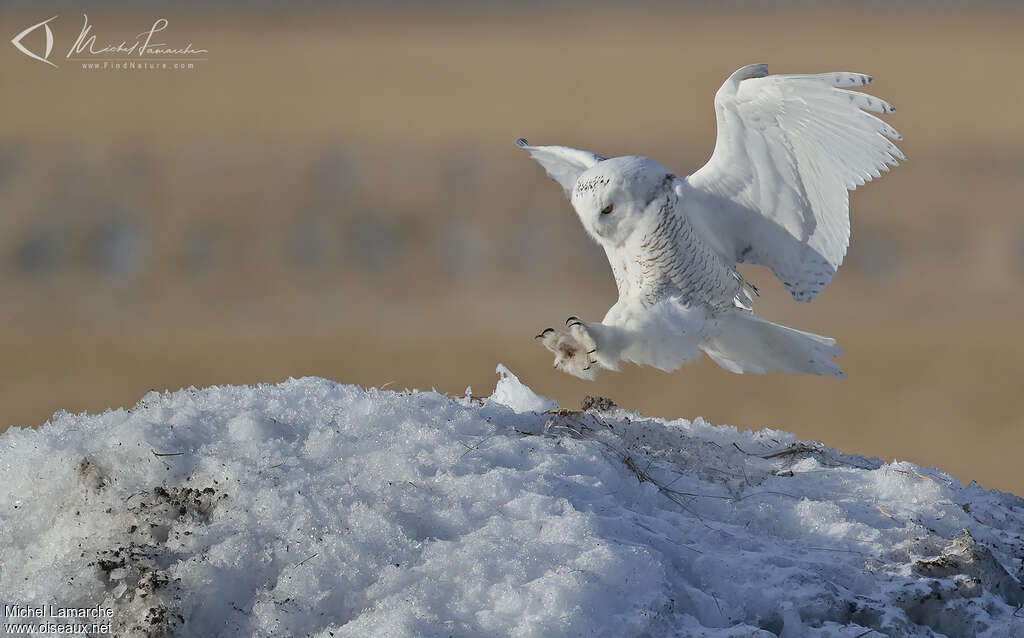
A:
(313, 508)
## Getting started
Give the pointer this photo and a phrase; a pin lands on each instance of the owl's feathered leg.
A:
(575, 349)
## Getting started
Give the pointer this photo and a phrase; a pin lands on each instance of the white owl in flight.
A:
(774, 193)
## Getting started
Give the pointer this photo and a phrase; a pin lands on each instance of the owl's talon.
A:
(574, 348)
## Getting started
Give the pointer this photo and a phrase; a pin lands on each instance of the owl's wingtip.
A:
(522, 143)
(749, 71)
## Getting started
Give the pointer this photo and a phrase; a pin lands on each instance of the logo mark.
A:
(16, 41)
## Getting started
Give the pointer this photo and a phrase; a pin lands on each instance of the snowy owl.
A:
(774, 193)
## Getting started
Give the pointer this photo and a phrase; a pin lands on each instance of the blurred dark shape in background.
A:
(40, 251)
(119, 249)
(335, 191)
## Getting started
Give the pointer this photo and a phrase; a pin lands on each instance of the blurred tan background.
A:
(336, 192)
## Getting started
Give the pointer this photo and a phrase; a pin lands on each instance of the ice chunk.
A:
(511, 393)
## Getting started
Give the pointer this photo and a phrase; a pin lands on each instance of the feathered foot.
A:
(574, 349)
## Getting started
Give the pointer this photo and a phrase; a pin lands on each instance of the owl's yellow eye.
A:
(607, 209)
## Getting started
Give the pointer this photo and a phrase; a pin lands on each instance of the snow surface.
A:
(313, 508)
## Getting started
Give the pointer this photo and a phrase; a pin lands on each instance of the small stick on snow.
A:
(299, 564)
(796, 449)
(879, 508)
(737, 446)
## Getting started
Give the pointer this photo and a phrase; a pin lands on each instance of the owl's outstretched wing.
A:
(789, 147)
(563, 164)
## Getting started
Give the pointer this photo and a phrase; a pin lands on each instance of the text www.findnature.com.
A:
(138, 66)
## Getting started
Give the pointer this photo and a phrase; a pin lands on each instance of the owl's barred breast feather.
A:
(673, 260)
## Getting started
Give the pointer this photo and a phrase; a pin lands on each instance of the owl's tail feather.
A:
(747, 343)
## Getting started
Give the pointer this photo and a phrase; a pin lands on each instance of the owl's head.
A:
(617, 197)
(614, 198)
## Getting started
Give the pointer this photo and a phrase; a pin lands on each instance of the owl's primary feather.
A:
(789, 147)
(774, 193)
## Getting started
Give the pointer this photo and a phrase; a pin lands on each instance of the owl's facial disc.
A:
(613, 197)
